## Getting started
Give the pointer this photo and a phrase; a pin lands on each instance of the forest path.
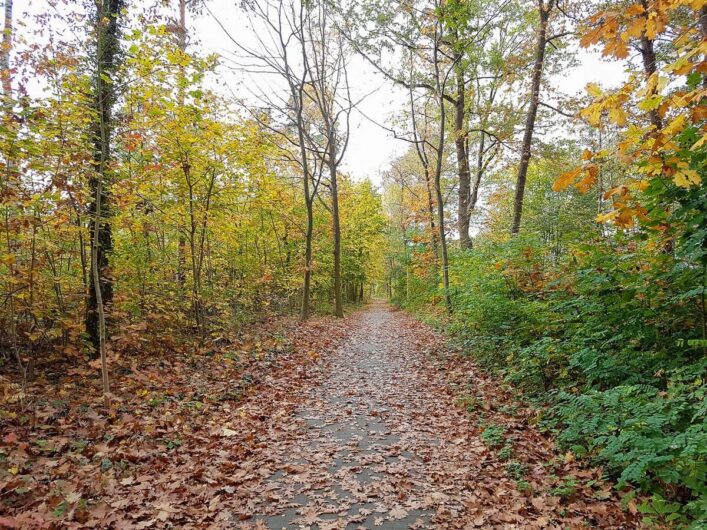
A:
(376, 441)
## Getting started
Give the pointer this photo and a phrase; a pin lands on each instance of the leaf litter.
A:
(366, 422)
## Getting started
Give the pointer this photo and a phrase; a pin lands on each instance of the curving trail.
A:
(376, 441)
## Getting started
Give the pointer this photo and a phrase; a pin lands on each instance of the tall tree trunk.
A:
(443, 239)
(438, 178)
(429, 185)
(479, 172)
(306, 285)
(309, 205)
(7, 106)
(336, 229)
(649, 66)
(5, 55)
(98, 295)
(107, 45)
(182, 244)
(541, 44)
(101, 291)
(460, 141)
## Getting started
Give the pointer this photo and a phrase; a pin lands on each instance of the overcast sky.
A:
(371, 148)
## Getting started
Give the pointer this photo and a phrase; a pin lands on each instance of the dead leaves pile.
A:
(168, 454)
(377, 441)
(361, 423)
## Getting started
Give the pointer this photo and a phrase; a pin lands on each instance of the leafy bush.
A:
(607, 335)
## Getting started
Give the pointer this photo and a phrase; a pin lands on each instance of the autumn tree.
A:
(326, 61)
(284, 54)
(545, 9)
(100, 293)
(480, 68)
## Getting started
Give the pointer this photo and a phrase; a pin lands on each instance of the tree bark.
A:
(101, 292)
(107, 46)
(541, 44)
(5, 55)
(182, 244)
(309, 205)
(479, 172)
(649, 67)
(429, 185)
(464, 174)
(307, 281)
(336, 229)
(438, 176)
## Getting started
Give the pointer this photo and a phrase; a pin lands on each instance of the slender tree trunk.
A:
(309, 205)
(460, 141)
(336, 228)
(182, 244)
(101, 243)
(649, 67)
(429, 185)
(107, 43)
(541, 44)
(443, 241)
(438, 181)
(479, 173)
(7, 106)
(306, 286)
(5, 55)
(98, 295)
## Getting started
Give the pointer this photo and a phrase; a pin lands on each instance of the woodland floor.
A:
(342, 425)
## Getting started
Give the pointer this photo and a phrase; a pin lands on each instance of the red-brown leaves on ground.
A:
(360, 423)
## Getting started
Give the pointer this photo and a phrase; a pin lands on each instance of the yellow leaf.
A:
(652, 26)
(642, 184)
(591, 172)
(586, 183)
(618, 116)
(634, 29)
(593, 90)
(625, 217)
(650, 103)
(686, 178)
(592, 114)
(604, 217)
(699, 143)
(675, 126)
(634, 9)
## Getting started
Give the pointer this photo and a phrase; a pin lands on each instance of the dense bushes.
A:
(604, 327)
(608, 336)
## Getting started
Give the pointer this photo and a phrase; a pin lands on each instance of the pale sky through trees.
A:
(371, 148)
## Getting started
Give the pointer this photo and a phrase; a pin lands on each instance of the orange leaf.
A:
(566, 179)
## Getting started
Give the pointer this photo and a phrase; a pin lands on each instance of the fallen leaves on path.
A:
(381, 428)
(173, 451)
